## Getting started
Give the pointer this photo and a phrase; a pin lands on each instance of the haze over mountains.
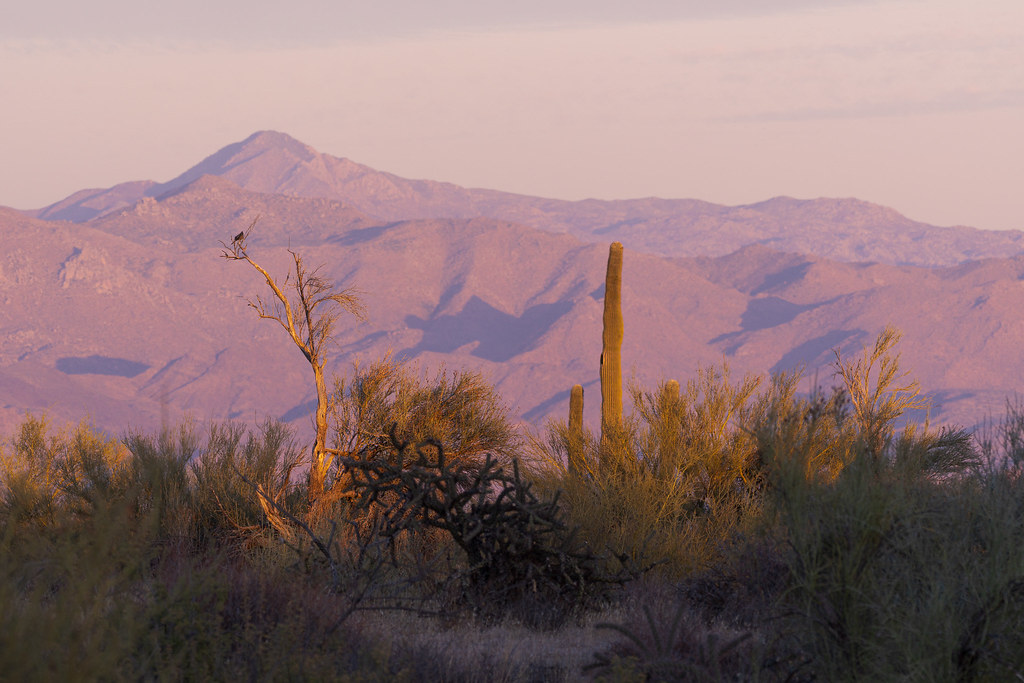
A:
(116, 304)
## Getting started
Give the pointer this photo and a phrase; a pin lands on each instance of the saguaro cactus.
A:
(576, 429)
(672, 389)
(611, 350)
(669, 429)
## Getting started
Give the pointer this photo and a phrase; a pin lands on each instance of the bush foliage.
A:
(730, 529)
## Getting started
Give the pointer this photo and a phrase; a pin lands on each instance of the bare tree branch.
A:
(316, 302)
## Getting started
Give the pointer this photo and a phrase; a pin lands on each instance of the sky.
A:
(913, 104)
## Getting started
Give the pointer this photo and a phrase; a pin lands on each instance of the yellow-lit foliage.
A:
(690, 467)
(683, 473)
(459, 409)
(49, 472)
(879, 390)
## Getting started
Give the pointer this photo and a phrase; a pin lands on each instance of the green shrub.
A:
(459, 409)
(683, 473)
(50, 476)
(124, 564)
(887, 553)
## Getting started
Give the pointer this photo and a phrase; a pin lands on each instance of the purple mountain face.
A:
(837, 229)
(129, 317)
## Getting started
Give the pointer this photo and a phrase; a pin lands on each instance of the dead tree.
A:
(308, 317)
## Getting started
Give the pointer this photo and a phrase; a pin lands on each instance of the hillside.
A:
(133, 319)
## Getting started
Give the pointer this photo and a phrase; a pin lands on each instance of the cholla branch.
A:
(516, 545)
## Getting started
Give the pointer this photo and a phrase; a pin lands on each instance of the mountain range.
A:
(117, 306)
(839, 229)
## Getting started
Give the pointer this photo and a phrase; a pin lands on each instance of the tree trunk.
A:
(320, 465)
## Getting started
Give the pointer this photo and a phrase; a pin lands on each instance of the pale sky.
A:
(914, 104)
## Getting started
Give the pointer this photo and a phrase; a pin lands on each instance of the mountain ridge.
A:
(134, 318)
(838, 229)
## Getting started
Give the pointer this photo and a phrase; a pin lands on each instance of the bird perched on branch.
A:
(238, 237)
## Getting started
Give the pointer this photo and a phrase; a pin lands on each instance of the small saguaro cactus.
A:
(672, 389)
(611, 349)
(669, 429)
(576, 429)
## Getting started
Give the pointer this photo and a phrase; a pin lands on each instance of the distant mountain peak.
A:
(275, 153)
(843, 209)
(265, 140)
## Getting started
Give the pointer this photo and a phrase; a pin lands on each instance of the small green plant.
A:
(681, 651)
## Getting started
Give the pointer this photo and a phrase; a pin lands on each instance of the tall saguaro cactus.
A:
(611, 349)
(575, 445)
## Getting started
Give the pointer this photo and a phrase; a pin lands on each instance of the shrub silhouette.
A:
(522, 559)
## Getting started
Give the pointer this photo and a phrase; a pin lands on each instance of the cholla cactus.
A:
(518, 549)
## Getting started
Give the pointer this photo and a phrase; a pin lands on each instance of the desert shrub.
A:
(219, 619)
(521, 560)
(200, 491)
(456, 408)
(1000, 441)
(666, 643)
(887, 554)
(682, 474)
(50, 476)
(235, 460)
(166, 490)
(29, 488)
(892, 573)
(66, 607)
(459, 409)
(124, 564)
(196, 491)
(109, 603)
